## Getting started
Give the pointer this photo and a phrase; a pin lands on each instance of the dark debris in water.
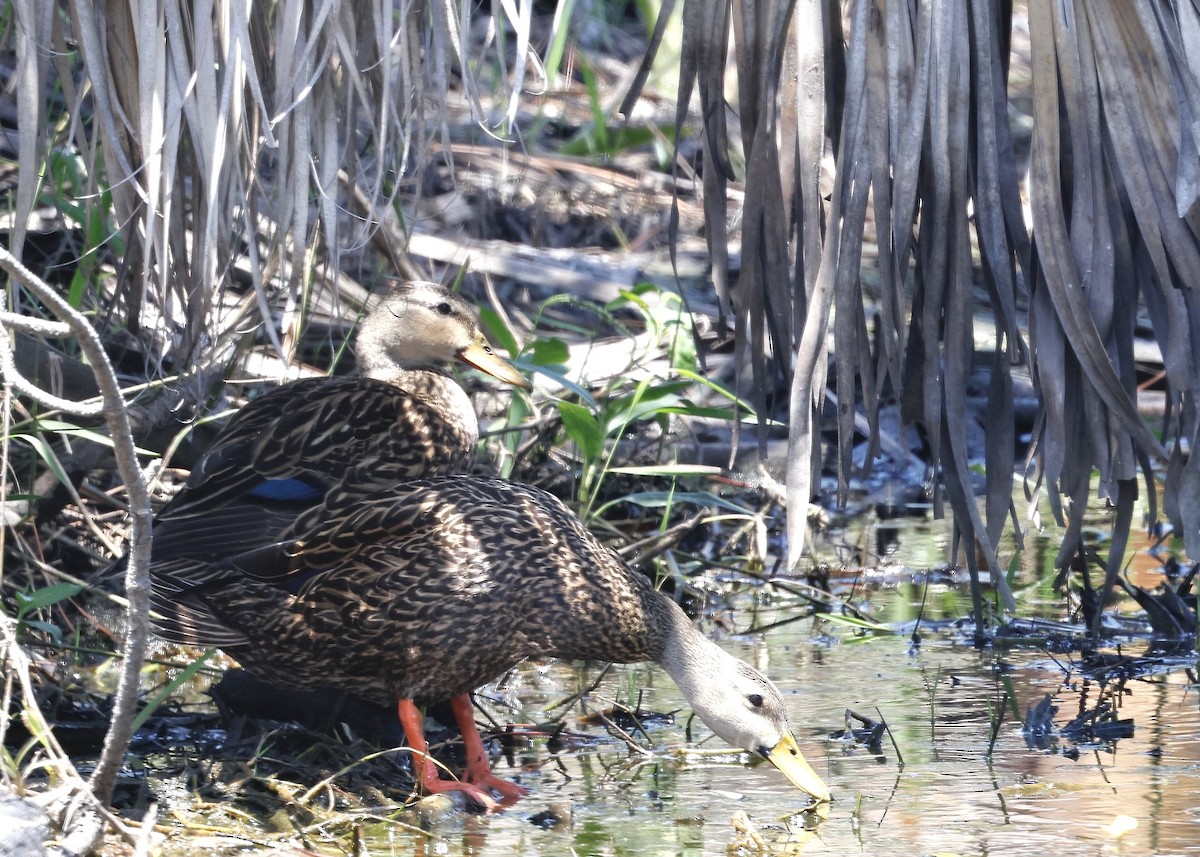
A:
(1097, 724)
(1171, 610)
(628, 719)
(1038, 728)
(556, 814)
(869, 733)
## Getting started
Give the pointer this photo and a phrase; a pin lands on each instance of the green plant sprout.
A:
(595, 421)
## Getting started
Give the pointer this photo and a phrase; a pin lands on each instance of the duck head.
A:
(424, 324)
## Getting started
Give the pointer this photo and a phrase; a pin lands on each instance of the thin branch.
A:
(137, 579)
(42, 326)
(23, 386)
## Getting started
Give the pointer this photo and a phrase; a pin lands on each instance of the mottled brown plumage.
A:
(401, 418)
(429, 590)
(426, 591)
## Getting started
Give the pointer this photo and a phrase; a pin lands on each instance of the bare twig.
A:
(629, 740)
(137, 582)
(28, 388)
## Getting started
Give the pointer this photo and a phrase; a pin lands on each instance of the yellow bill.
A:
(786, 757)
(480, 355)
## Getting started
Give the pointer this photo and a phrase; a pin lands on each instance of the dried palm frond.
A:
(1110, 234)
(916, 96)
(220, 130)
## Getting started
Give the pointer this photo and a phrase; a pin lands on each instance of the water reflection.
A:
(1009, 751)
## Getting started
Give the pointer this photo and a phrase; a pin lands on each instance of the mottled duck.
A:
(424, 592)
(403, 416)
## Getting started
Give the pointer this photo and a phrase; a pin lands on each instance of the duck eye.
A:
(756, 700)
(444, 308)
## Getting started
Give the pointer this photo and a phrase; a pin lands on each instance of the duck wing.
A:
(294, 443)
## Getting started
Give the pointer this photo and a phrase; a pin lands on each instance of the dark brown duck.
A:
(427, 591)
(403, 417)
(421, 591)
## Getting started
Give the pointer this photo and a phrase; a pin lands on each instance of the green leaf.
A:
(719, 388)
(856, 622)
(1014, 566)
(79, 284)
(681, 347)
(548, 351)
(645, 403)
(47, 596)
(582, 428)
(519, 410)
(632, 296)
(1014, 706)
(558, 38)
(48, 628)
(497, 330)
(687, 409)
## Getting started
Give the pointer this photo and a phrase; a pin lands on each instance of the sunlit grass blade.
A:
(165, 693)
(660, 499)
(669, 470)
(529, 368)
(61, 427)
(751, 413)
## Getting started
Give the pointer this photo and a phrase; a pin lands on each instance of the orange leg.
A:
(478, 779)
(478, 771)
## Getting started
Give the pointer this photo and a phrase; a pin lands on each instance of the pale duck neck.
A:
(429, 383)
(688, 657)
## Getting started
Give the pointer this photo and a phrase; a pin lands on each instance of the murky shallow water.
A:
(949, 796)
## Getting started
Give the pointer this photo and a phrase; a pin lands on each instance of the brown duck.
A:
(402, 417)
(427, 591)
